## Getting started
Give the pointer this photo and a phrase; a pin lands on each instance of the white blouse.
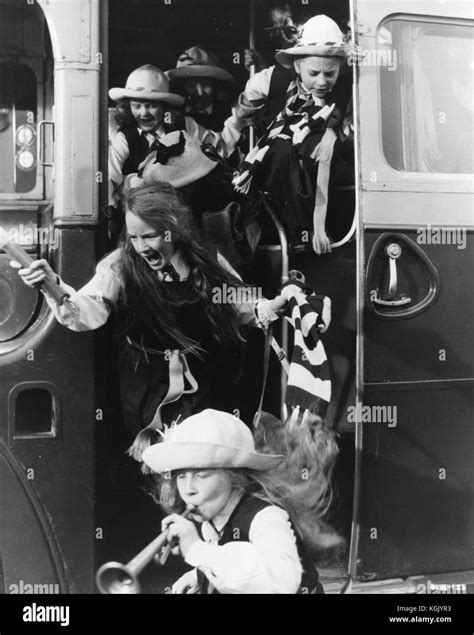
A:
(224, 142)
(267, 563)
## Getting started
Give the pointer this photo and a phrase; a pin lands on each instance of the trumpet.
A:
(114, 577)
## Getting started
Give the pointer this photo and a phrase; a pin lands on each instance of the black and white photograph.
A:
(236, 313)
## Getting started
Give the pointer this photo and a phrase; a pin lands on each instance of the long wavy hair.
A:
(147, 301)
(123, 114)
(310, 449)
(301, 484)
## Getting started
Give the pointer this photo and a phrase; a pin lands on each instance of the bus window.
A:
(426, 96)
(18, 106)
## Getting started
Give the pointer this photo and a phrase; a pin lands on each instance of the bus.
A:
(402, 361)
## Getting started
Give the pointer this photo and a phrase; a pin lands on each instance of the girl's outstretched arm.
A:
(255, 311)
(87, 309)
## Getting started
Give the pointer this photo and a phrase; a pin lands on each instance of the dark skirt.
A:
(290, 175)
(144, 383)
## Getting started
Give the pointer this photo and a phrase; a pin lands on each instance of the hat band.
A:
(320, 44)
(141, 89)
(195, 63)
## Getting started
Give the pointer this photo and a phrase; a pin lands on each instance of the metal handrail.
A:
(283, 278)
(41, 143)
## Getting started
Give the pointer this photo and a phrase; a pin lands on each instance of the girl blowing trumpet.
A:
(249, 540)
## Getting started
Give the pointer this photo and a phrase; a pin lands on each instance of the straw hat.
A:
(178, 160)
(147, 82)
(209, 439)
(320, 37)
(197, 62)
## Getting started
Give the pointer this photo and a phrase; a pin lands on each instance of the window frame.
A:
(413, 153)
(376, 174)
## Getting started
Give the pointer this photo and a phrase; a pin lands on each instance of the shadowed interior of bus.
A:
(150, 32)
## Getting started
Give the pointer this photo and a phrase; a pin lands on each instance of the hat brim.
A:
(168, 456)
(171, 173)
(116, 94)
(176, 177)
(200, 70)
(286, 57)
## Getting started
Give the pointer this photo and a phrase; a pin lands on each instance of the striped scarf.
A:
(299, 118)
(309, 383)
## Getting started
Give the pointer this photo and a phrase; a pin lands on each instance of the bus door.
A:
(48, 202)
(414, 495)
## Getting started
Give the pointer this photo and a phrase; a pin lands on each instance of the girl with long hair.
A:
(178, 330)
(255, 533)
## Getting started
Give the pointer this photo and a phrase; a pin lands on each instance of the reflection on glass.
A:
(5, 121)
(427, 102)
(447, 56)
(18, 105)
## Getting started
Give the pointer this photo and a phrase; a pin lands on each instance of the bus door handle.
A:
(41, 142)
(393, 251)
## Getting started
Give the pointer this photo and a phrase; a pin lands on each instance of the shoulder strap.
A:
(138, 149)
(280, 80)
(266, 364)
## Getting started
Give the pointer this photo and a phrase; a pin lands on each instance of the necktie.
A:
(164, 152)
(170, 272)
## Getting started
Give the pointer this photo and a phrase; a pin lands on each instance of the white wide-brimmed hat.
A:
(147, 82)
(320, 37)
(197, 62)
(209, 439)
(177, 159)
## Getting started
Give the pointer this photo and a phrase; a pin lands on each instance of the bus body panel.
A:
(77, 65)
(48, 409)
(414, 488)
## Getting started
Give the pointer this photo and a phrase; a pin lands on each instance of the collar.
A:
(220, 521)
(319, 102)
(180, 266)
(159, 132)
(303, 92)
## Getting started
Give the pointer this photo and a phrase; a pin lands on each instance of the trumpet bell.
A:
(114, 577)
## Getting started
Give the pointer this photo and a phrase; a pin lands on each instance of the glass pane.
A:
(447, 56)
(427, 100)
(18, 106)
